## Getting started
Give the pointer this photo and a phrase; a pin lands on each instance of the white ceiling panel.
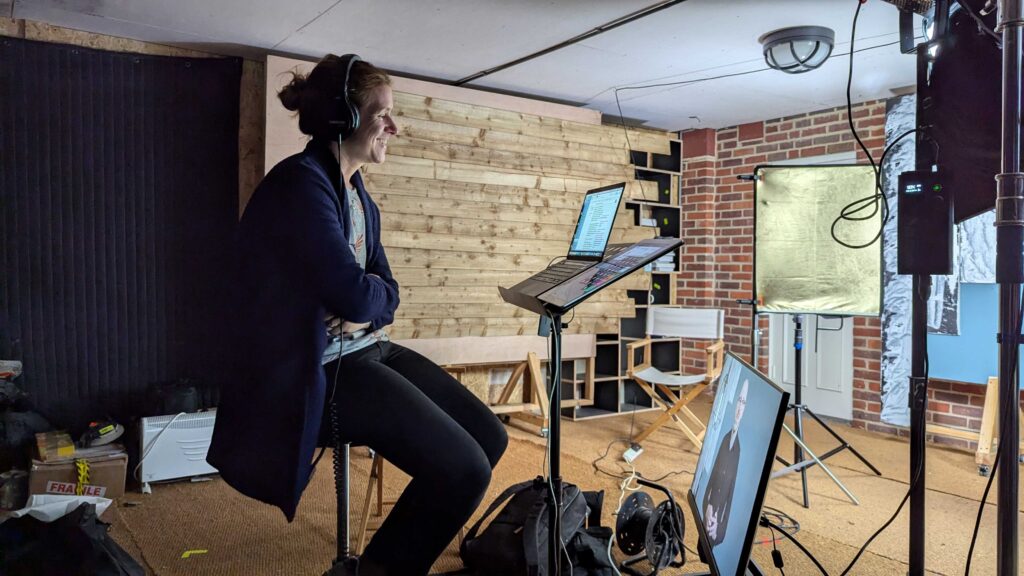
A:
(256, 23)
(765, 94)
(451, 39)
(698, 39)
(732, 101)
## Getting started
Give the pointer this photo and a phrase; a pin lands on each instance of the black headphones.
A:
(346, 114)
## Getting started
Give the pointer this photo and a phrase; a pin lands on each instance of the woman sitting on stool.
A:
(308, 248)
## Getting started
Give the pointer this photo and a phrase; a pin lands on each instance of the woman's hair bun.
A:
(291, 95)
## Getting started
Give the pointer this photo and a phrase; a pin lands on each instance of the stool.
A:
(343, 490)
(366, 525)
(376, 477)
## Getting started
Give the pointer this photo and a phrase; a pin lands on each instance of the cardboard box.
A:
(54, 445)
(107, 470)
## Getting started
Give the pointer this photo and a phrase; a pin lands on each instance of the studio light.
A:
(798, 49)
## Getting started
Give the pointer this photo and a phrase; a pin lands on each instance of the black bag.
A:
(589, 551)
(516, 541)
(76, 544)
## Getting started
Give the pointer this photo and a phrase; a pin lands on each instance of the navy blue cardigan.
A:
(293, 266)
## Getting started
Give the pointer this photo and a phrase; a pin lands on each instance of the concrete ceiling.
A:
(450, 39)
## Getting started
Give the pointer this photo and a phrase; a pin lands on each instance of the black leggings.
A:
(430, 426)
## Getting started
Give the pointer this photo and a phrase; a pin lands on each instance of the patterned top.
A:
(357, 242)
(357, 239)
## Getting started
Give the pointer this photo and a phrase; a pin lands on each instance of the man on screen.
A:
(718, 496)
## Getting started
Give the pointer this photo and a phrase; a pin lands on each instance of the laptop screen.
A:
(595, 224)
(586, 283)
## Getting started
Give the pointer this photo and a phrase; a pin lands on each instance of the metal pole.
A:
(918, 398)
(555, 430)
(1009, 276)
(807, 463)
(344, 511)
(798, 424)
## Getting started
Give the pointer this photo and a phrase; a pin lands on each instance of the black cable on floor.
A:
(776, 555)
(770, 524)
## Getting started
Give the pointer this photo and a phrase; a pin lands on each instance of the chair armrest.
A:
(716, 357)
(631, 352)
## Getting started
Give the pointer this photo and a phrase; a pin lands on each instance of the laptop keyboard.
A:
(561, 271)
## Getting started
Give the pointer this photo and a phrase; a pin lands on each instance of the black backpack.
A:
(76, 544)
(516, 541)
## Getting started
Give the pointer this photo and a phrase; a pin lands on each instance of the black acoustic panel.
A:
(118, 199)
(960, 109)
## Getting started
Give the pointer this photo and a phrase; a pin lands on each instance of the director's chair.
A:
(672, 392)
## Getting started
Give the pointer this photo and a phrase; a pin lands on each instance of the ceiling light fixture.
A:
(798, 49)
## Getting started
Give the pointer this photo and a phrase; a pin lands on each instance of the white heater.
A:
(175, 446)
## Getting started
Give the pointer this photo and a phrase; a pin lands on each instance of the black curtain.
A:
(118, 199)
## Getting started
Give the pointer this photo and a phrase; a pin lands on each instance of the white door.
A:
(827, 362)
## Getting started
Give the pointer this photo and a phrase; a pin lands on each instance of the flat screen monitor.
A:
(735, 462)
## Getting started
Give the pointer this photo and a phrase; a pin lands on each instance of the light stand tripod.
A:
(798, 407)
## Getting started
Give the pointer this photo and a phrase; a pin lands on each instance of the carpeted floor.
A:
(205, 528)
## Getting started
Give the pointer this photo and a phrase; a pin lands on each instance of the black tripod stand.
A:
(797, 433)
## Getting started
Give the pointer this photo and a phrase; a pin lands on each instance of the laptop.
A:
(589, 241)
(623, 259)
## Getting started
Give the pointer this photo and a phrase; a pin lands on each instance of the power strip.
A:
(632, 453)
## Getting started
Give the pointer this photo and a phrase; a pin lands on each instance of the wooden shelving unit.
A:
(614, 393)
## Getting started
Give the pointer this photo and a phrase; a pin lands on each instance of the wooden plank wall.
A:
(474, 196)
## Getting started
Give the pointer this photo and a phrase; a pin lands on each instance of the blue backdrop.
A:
(973, 356)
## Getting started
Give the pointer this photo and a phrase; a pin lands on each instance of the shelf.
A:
(625, 396)
(652, 203)
(627, 408)
(658, 170)
(590, 412)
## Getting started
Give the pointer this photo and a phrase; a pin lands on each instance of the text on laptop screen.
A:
(595, 223)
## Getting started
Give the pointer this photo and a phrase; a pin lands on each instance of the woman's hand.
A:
(350, 327)
(334, 325)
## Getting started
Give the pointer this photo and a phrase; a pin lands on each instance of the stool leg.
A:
(375, 476)
(341, 485)
(380, 485)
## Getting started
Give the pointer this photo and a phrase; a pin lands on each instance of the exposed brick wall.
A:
(718, 225)
(717, 262)
(867, 371)
(696, 287)
(952, 404)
